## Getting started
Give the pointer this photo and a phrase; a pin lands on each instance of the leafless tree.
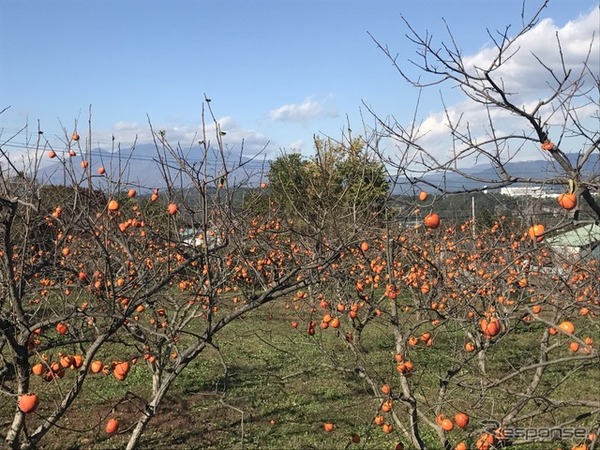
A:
(562, 121)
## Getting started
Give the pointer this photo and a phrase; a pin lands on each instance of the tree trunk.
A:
(22, 377)
(159, 392)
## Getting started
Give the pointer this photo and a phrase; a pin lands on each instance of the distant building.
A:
(582, 242)
(529, 190)
(194, 238)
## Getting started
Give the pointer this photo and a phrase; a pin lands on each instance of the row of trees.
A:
(94, 280)
(107, 277)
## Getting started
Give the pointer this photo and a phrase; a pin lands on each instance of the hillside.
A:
(147, 165)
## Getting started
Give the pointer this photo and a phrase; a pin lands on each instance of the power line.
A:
(102, 153)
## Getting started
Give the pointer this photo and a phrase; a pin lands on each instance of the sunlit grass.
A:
(272, 386)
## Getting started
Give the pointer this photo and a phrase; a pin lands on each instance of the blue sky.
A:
(277, 71)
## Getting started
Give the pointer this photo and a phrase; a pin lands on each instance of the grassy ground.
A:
(277, 394)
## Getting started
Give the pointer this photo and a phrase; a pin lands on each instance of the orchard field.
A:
(326, 301)
(389, 341)
(278, 392)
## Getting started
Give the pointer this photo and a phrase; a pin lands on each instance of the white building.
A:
(529, 190)
(195, 238)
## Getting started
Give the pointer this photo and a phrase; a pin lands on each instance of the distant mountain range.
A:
(538, 169)
(145, 166)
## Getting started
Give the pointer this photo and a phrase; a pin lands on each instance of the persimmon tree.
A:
(513, 321)
(102, 277)
(491, 310)
(554, 123)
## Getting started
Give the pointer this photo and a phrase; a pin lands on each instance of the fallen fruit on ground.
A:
(112, 426)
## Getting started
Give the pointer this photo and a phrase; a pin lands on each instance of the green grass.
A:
(277, 392)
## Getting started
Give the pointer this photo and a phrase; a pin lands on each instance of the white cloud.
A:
(527, 81)
(126, 126)
(296, 146)
(235, 136)
(303, 112)
(238, 138)
(434, 132)
(523, 73)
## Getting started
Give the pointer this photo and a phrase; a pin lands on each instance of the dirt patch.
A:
(198, 421)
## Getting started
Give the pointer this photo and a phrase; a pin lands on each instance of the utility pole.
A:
(473, 215)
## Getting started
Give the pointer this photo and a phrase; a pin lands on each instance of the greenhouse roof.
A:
(579, 237)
